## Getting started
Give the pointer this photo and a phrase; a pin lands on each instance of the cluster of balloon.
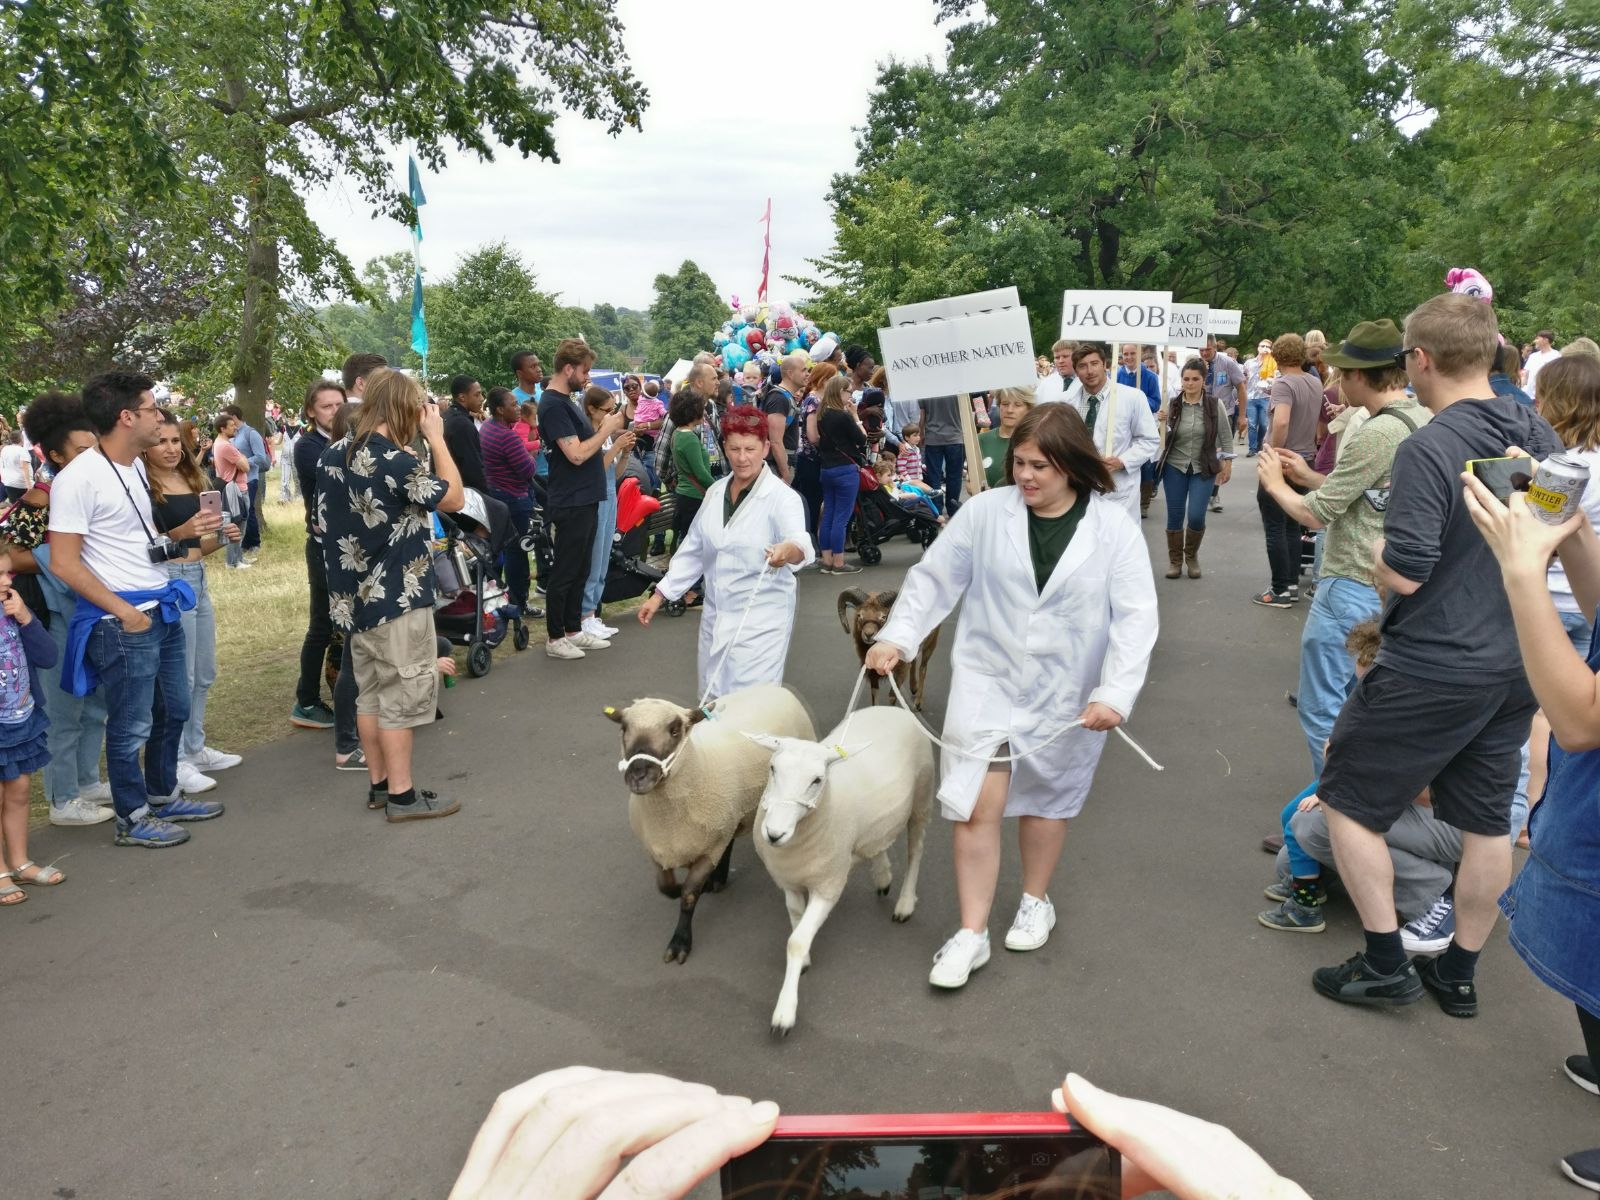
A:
(765, 333)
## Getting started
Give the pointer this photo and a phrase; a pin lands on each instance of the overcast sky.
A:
(745, 103)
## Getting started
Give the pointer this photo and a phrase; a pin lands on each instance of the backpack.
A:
(666, 463)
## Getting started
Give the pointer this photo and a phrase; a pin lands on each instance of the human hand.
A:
(1291, 464)
(1226, 473)
(883, 658)
(648, 609)
(612, 422)
(15, 608)
(1269, 467)
(564, 1135)
(233, 532)
(1166, 1150)
(1243, 430)
(1100, 717)
(446, 664)
(196, 526)
(1520, 541)
(1113, 463)
(135, 622)
(1310, 804)
(432, 423)
(785, 554)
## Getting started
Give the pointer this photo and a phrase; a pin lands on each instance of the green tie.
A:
(1094, 411)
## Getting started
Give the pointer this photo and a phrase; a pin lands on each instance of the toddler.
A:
(25, 649)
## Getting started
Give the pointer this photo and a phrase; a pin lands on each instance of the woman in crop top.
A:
(176, 482)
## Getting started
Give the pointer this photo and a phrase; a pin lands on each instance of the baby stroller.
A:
(878, 518)
(628, 574)
(471, 609)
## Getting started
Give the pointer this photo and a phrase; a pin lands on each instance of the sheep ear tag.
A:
(613, 713)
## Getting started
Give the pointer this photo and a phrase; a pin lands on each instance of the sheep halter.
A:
(664, 763)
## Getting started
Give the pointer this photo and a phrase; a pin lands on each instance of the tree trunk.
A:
(258, 324)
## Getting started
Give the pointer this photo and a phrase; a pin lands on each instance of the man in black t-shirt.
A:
(575, 490)
(781, 403)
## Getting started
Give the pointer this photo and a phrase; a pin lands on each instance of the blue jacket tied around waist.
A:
(78, 675)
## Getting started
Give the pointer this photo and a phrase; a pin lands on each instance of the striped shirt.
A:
(507, 465)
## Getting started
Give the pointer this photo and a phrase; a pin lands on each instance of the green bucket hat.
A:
(1370, 344)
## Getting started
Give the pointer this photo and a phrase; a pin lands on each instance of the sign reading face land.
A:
(1225, 320)
(950, 356)
(1115, 316)
(1188, 325)
(974, 304)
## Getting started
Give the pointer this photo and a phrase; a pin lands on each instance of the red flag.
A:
(766, 252)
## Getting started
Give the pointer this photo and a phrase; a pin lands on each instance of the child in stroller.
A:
(471, 608)
(885, 511)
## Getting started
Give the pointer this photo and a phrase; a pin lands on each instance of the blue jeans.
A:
(146, 690)
(199, 653)
(1301, 864)
(1256, 415)
(839, 488)
(1185, 490)
(1327, 669)
(77, 726)
(942, 468)
(600, 557)
(518, 577)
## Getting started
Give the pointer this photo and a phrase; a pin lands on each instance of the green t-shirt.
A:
(1049, 537)
(992, 447)
(730, 505)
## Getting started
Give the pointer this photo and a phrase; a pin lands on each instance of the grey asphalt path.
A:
(307, 1001)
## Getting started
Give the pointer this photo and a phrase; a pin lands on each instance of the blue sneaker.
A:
(1293, 918)
(186, 808)
(149, 831)
(1432, 931)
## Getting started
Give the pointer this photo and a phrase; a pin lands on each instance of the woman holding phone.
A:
(189, 512)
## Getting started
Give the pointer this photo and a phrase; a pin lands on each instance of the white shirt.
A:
(1052, 389)
(14, 465)
(87, 499)
(1535, 363)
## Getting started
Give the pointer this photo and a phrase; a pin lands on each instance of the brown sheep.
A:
(871, 613)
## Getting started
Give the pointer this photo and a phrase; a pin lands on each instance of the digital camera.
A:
(164, 549)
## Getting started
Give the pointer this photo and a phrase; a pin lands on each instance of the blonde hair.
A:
(1017, 395)
(834, 393)
(1569, 398)
(392, 399)
(1581, 347)
(1459, 333)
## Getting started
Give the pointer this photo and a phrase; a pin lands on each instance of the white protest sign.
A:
(1224, 320)
(971, 305)
(960, 355)
(1115, 316)
(1188, 325)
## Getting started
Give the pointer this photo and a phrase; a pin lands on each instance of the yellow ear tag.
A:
(841, 752)
(610, 712)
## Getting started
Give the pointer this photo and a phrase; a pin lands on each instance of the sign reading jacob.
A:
(1115, 316)
(951, 356)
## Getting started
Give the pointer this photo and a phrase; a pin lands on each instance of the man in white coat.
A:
(1120, 419)
(1052, 389)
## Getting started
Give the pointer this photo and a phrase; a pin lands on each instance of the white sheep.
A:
(828, 804)
(696, 781)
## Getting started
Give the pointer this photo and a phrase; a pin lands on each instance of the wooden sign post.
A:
(977, 477)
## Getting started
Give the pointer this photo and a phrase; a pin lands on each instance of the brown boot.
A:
(1175, 553)
(1191, 552)
(1147, 493)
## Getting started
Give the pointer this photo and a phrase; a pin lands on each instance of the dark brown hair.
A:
(1363, 642)
(1569, 398)
(188, 470)
(1085, 349)
(358, 367)
(573, 352)
(1064, 440)
(316, 389)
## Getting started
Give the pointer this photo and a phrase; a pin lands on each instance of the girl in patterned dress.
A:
(25, 649)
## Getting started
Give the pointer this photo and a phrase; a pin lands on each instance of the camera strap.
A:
(133, 504)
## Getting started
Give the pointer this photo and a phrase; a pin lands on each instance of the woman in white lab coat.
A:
(1058, 619)
(748, 520)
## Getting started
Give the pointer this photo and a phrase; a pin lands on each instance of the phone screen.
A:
(1068, 1166)
(1502, 476)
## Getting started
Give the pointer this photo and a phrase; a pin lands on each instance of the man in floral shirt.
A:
(374, 501)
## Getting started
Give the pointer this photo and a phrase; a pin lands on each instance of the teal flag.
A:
(419, 321)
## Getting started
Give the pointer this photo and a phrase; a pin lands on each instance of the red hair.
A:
(744, 419)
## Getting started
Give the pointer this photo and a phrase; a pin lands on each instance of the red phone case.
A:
(860, 1126)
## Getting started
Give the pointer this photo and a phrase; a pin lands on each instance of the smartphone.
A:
(954, 1156)
(1502, 476)
(211, 502)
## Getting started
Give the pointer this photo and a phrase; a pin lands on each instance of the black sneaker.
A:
(1583, 1168)
(1580, 1069)
(1457, 999)
(1272, 599)
(426, 805)
(1354, 982)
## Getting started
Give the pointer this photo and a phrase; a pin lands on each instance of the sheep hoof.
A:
(884, 890)
(781, 1031)
(900, 918)
(677, 952)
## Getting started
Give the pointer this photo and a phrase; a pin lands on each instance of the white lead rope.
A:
(965, 753)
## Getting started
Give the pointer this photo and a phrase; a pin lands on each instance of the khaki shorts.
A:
(397, 671)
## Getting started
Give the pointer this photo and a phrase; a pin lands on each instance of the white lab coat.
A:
(1124, 428)
(730, 555)
(1025, 664)
(1052, 389)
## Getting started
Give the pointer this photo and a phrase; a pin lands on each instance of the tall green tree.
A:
(381, 322)
(686, 312)
(263, 101)
(488, 309)
(1242, 156)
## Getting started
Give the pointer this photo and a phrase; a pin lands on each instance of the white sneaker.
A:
(210, 758)
(958, 958)
(563, 648)
(597, 628)
(191, 781)
(1034, 921)
(588, 641)
(79, 811)
(99, 793)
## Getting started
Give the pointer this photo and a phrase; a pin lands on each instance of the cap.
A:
(825, 349)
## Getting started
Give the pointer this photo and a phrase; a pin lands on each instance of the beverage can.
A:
(1558, 488)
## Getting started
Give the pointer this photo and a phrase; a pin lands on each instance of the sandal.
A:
(10, 893)
(42, 876)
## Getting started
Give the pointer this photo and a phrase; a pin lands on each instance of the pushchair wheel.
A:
(480, 657)
(519, 636)
(676, 608)
(526, 543)
(870, 554)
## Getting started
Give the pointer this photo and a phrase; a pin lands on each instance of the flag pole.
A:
(419, 320)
